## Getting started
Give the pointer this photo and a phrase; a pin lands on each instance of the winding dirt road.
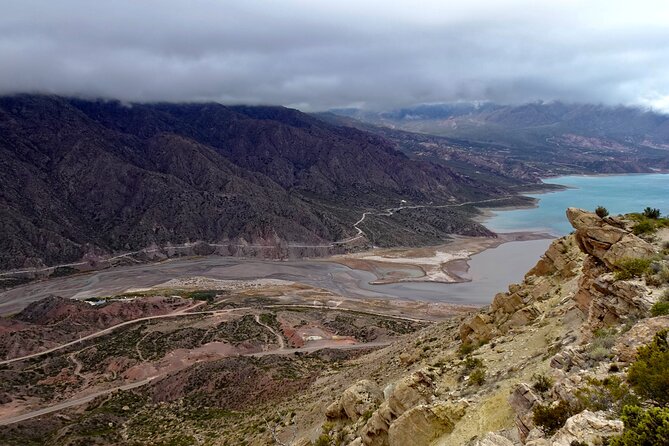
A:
(183, 313)
(88, 398)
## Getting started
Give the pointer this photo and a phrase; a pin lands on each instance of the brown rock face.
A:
(518, 306)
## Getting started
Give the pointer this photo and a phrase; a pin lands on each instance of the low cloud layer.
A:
(316, 55)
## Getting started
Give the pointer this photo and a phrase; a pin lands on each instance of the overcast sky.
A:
(316, 55)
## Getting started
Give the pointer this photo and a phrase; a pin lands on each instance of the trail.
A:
(279, 338)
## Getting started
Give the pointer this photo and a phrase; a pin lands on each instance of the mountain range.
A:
(530, 140)
(84, 177)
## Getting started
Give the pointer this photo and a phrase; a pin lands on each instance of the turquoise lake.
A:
(618, 193)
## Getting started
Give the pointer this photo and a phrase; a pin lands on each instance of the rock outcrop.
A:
(422, 424)
(362, 397)
(606, 239)
(586, 427)
(640, 334)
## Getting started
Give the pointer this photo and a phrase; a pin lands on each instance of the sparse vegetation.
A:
(648, 222)
(477, 376)
(476, 370)
(610, 393)
(600, 347)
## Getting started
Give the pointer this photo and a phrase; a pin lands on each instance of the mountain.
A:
(89, 178)
(546, 138)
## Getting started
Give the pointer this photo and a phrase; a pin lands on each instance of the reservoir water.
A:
(618, 193)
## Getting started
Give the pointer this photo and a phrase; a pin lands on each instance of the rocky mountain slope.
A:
(89, 178)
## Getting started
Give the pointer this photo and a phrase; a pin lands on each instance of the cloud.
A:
(318, 54)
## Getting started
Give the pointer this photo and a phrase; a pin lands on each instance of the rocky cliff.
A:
(556, 340)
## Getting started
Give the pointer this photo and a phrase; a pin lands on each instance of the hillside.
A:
(90, 178)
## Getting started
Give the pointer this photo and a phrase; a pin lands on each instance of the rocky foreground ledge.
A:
(559, 344)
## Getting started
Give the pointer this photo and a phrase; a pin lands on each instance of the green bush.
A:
(323, 440)
(477, 377)
(630, 268)
(472, 363)
(643, 427)
(610, 393)
(550, 418)
(653, 213)
(542, 383)
(649, 374)
(660, 309)
(644, 227)
(601, 211)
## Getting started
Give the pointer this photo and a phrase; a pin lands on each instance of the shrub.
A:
(600, 347)
(649, 374)
(631, 267)
(643, 427)
(323, 440)
(551, 417)
(477, 376)
(610, 393)
(542, 383)
(653, 213)
(601, 211)
(472, 363)
(660, 309)
(644, 227)
(466, 348)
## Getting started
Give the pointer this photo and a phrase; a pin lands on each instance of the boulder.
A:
(423, 423)
(607, 242)
(587, 427)
(630, 246)
(375, 431)
(478, 328)
(492, 439)
(412, 390)
(362, 397)
(640, 334)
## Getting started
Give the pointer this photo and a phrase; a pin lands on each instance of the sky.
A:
(316, 55)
